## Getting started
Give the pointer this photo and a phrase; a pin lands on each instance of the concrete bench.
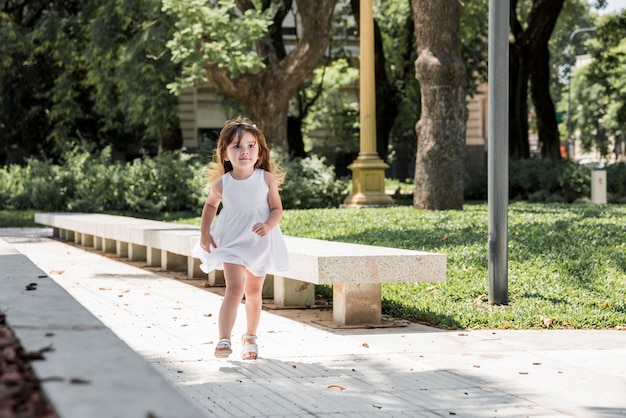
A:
(355, 271)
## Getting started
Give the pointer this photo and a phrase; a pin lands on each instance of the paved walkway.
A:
(308, 370)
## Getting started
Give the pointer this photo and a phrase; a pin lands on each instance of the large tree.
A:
(440, 160)
(247, 62)
(530, 64)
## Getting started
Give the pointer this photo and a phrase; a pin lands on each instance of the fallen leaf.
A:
(546, 321)
(147, 294)
(366, 345)
(38, 355)
(476, 366)
(208, 315)
(523, 372)
(336, 387)
(620, 328)
(105, 288)
(431, 288)
(506, 325)
(294, 366)
(445, 238)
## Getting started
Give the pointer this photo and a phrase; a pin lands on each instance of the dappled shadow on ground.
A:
(346, 385)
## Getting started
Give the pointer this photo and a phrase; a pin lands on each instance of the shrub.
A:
(168, 182)
(616, 181)
(45, 186)
(546, 180)
(310, 183)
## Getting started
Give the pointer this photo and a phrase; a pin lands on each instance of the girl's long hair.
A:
(232, 131)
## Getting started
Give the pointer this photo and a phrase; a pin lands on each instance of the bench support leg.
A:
(357, 304)
(216, 278)
(288, 292)
(193, 268)
(121, 249)
(86, 240)
(268, 287)
(153, 257)
(137, 252)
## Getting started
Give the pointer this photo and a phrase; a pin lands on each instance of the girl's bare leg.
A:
(253, 289)
(234, 275)
(254, 300)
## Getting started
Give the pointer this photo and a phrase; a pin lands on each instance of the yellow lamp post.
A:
(368, 170)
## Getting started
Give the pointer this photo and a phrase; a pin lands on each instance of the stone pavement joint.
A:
(306, 370)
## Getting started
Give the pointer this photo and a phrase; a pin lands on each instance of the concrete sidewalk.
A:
(307, 370)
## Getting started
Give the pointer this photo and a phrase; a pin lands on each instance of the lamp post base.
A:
(368, 183)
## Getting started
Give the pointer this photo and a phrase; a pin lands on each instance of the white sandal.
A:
(250, 350)
(223, 348)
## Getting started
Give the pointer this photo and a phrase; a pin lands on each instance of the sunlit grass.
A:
(565, 262)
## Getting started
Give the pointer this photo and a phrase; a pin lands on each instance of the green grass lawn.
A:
(567, 263)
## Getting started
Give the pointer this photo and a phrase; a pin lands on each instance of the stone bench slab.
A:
(356, 271)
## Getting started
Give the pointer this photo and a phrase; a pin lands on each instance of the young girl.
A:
(245, 240)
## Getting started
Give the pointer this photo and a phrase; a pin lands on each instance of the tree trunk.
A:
(531, 58)
(266, 94)
(519, 147)
(440, 160)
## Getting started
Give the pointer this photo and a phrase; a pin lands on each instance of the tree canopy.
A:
(84, 71)
(599, 89)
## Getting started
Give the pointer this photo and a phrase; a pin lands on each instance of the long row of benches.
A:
(355, 271)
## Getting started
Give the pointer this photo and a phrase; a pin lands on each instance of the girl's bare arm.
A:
(208, 214)
(275, 204)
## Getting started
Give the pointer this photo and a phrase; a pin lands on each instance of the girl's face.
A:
(243, 154)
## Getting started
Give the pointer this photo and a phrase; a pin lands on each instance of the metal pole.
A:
(498, 150)
(570, 142)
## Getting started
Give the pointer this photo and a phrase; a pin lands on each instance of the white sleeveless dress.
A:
(244, 203)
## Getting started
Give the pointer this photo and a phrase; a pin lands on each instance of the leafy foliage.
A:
(169, 182)
(84, 182)
(551, 181)
(599, 89)
(74, 72)
(334, 110)
(214, 33)
(310, 183)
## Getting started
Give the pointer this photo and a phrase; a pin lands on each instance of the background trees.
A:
(599, 89)
(85, 71)
(95, 72)
(215, 39)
